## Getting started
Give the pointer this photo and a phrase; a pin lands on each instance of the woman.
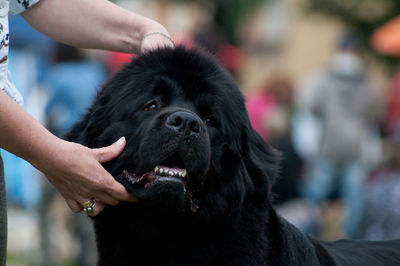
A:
(74, 170)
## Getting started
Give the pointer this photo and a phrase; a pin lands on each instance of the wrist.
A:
(48, 153)
(159, 33)
(153, 35)
(150, 25)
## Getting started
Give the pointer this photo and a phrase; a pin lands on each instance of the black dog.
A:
(202, 175)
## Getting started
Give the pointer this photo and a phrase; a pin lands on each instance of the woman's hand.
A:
(97, 24)
(76, 172)
(156, 37)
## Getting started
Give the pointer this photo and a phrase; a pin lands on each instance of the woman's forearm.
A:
(97, 24)
(73, 169)
(21, 134)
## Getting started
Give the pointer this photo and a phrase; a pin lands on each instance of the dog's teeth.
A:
(170, 172)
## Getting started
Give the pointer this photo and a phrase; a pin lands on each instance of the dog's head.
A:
(189, 140)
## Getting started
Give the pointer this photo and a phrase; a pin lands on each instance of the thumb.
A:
(108, 153)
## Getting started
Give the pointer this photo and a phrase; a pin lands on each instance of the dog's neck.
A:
(179, 243)
(296, 247)
(160, 240)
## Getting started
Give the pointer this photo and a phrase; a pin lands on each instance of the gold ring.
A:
(88, 206)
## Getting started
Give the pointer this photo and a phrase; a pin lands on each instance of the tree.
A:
(361, 17)
(228, 14)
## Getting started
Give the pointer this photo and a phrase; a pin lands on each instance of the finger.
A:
(107, 199)
(118, 191)
(108, 153)
(99, 207)
(74, 205)
(156, 40)
(110, 191)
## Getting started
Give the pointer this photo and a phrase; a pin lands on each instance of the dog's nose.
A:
(184, 123)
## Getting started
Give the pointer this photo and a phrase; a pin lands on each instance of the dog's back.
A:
(357, 252)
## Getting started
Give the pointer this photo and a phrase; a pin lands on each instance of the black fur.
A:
(179, 108)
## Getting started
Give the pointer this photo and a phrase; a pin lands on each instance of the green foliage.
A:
(361, 17)
(228, 14)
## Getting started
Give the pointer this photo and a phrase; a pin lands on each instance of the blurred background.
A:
(322, 83)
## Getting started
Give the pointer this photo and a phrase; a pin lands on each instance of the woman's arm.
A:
(97, 24)
(73, 169)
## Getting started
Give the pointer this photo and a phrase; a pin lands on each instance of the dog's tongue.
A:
(138, 180)
(145, 179)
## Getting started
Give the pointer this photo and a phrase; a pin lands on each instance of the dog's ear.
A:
(261, 162)
(89, 127)
(75, 134)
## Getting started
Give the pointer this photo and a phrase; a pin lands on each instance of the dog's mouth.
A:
(159, 174)
(173, 177)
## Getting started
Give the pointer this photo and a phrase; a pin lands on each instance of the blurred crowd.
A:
(338, 133)
(339, 140)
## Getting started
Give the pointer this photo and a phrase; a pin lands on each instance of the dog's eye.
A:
(150, 106)
(209, 121)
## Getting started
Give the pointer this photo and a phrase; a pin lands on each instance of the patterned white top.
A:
(13, 7)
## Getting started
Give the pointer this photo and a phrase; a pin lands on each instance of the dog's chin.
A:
(162, 188)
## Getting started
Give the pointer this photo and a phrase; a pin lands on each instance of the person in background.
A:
(74, 170)
(66, 104)
(392, 121)
(68, 101)
(341, 100)
(274, 123)
(271, 113)
(260, 105)
(381, 213)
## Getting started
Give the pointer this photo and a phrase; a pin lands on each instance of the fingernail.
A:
(121, 141)
(133, 199)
